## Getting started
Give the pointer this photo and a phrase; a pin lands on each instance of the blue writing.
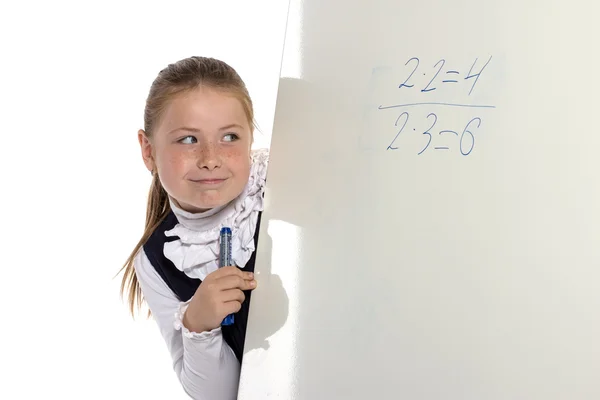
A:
(445, 147)
(467, 133)
(470, 134)
(441, 132)
(440, 65)
(428, 133)
(381, 107)
(411, 74)
(427, 88)
(390, 147)
(476, 76)
(467, 138)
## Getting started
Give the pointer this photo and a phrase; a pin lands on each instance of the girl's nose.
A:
(209, 157)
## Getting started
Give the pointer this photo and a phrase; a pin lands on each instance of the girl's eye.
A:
(188, 140)
(231, 137)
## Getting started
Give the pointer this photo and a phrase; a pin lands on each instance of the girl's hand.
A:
(219, 295)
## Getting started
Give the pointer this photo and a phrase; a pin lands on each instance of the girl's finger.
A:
(231, 307)
(235, 282)
(232, 295)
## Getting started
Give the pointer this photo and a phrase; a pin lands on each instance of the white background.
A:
(75, 76)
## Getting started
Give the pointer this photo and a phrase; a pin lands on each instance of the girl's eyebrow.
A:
(196, 130)
(186, 129)
(231, 126)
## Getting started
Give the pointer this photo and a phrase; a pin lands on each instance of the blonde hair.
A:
(177, 78)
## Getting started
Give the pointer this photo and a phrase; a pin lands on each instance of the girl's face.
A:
(201, 149)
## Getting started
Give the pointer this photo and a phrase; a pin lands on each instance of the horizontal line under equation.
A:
(381, 107)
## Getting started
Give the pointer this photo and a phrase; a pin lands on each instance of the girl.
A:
(196, 142)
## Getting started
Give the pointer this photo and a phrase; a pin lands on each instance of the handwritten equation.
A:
(423, 85)
(449, 76)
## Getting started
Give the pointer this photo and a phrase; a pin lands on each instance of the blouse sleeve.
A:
(204, 363)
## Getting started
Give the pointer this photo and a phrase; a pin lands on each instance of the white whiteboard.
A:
(432, 244)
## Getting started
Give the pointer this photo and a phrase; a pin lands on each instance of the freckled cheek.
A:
(231, 153)
(237, 158)
(178, 162)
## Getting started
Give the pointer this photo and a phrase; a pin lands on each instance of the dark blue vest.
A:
(184, 287)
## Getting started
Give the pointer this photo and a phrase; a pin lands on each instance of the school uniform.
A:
(179, 254)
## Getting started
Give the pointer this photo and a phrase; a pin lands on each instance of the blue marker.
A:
(225, 260)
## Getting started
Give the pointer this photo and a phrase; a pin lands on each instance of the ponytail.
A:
(156, 210)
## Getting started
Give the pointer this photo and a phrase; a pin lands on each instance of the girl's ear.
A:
(146, 147)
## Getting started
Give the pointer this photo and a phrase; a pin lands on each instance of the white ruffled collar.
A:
(196, 251)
